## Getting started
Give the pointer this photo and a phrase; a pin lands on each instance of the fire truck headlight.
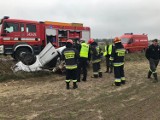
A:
(1, 49)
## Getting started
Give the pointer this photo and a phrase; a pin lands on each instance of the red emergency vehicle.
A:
(134, 42)
(21, 36)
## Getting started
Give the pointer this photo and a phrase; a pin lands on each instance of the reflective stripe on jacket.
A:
(117, 56)
(70, 55)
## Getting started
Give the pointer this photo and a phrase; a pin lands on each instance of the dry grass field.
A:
(45, 97)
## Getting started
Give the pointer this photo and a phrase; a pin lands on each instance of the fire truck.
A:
(25, 36)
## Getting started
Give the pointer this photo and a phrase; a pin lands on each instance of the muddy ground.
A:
(45, 98)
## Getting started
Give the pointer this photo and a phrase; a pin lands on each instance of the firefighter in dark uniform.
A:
(83, 60)
(117, 57)
(107, 54)
(96, 53)
(71, 56)
(153, 56)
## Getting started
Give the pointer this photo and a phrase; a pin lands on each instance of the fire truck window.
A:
(22, 27)
(10, 27)
(31, 28)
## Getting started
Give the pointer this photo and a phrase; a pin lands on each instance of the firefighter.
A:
(70, 55)
(117, 57)
(107, 54)
(153, 56)
(83, 60)
(96, 53)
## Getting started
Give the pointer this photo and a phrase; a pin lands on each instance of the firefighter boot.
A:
(155, 78)
(94, 76)
(118, 83)
(84, 79)
(149, 74)
(75, 85)
(100, 74)
(78, 80)
(67, 86)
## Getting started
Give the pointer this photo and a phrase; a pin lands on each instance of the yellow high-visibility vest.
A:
(105, 51)
(110, 49)
(84, 50)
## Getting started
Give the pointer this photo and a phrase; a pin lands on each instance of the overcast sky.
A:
(106, 18)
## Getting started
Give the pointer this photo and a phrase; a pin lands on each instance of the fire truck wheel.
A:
(20, 52)
(28, 59)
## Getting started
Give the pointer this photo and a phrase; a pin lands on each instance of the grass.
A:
(23, 75)
(135, 56)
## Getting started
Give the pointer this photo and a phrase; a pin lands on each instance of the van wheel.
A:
(18, 55)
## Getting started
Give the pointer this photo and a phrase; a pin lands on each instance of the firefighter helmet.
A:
(70, 41)
(90, 41)
(117, 40)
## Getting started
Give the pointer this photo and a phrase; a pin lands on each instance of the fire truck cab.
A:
(20, 36)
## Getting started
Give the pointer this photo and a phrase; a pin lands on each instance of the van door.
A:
(131, 45)
(137, 44)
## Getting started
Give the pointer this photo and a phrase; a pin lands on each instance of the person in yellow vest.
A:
(107, 54)
(83, 60)
(117, 56)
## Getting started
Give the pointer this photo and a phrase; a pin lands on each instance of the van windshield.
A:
(125, 40)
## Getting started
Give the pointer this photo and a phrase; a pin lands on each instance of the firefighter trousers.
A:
(97, 70)
(119, 75)
(71, 74)
(82, 69)
(109, 65)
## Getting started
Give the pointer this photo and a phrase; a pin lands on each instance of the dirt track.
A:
(46, 98)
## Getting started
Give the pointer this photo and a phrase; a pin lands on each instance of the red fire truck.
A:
(21, 36)
(134, 42)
